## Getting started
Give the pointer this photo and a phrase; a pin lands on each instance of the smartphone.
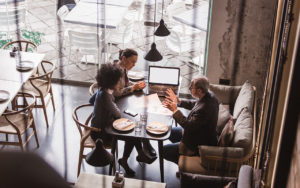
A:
(130, 112)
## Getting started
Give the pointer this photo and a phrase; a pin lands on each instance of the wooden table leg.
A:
(161, 160)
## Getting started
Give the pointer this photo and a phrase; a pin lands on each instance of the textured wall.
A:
(239, 41)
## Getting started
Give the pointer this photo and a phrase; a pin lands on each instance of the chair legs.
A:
(80, 160)
(45, 111)
(35, 134)
(52, 98)
(21, 142)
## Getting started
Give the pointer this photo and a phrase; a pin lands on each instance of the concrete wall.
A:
(239, 41)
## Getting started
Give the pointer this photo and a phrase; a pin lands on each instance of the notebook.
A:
(162, 78)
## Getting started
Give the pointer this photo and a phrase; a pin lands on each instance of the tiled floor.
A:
(41, 17)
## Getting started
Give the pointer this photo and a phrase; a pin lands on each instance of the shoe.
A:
(128, 170)
(145, 158)
(148, 148)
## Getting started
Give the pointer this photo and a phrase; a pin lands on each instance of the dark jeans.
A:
(170, 151)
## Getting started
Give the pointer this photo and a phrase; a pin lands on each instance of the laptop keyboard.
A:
(161, 90)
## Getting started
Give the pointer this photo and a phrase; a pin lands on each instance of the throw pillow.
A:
(226, 136)
(224, 116)
(244, 100)
(243, 131)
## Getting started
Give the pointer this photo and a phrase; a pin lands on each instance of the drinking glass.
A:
(143, 119)
(138, 126)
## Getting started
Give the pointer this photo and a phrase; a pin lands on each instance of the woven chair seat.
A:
(89, 142)
(41, 84)
(20, 120)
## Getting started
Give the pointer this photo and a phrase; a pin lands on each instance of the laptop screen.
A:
(164, 75)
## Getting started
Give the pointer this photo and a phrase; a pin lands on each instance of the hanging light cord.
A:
(162, 10)
(154, 22)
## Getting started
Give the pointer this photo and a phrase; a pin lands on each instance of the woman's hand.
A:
(139, 85)
(167, 103)
(171, 96)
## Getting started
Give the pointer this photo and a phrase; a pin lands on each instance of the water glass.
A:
(17, 57)
(143, 118)
(138, 126)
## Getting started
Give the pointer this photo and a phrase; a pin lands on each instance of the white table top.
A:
(11, 79)
(86, 14)
(196, 17)
(121, 3)
(86, 180)
(13, 88)
(8, 69)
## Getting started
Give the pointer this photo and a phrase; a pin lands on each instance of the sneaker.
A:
(145, 158)
(128, 170)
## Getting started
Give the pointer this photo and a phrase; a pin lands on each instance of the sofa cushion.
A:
(198, 180)
(191, 164)
(224, 152)
(226, 94)
(245, 177)
(243, 131)
(244, 100)
(226, 136)
(224, 116)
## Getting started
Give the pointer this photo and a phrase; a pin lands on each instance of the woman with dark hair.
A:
(106, 111)
(127, 60)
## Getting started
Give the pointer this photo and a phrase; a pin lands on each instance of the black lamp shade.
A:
(153, 54)
(162, 30)
(99, 156)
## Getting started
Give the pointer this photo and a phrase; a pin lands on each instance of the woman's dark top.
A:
(105, 112)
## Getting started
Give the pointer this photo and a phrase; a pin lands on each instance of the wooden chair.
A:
(23, 45)
(17, 122)
(40, 86)
(93, 88)
(84, 130)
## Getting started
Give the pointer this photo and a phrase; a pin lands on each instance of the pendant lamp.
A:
(162, 29)
(99, 156)
(153, 55)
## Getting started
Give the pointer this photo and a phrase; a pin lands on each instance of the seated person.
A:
(199, 127)
(106, 111)
(127, 60)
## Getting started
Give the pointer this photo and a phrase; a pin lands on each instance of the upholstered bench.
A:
(237, 103)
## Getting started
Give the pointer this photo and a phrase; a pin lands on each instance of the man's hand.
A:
(139, 85)
(171, 96)
(170, 105)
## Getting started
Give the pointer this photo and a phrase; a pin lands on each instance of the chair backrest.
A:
(62, 12)
(45, 74)
(84, 39)
(82, 123)
(175, 8)
(12, 16)
(23, 45)
(93, 88)
(128, 32)
(173, 42)
(26, 110)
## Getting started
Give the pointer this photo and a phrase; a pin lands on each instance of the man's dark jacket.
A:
(200, 125)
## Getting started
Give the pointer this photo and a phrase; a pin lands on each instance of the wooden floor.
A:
(59, 144)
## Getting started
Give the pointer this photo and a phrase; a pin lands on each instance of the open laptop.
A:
(162, 78)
